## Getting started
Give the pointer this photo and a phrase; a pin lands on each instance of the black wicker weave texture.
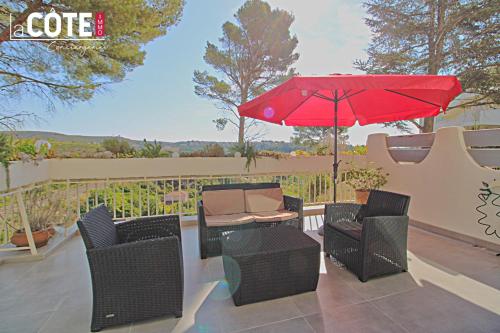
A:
(210, 237)
(137, 273)
(265, 264)
(369, 244)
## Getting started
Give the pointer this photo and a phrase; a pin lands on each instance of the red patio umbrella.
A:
(343, 100)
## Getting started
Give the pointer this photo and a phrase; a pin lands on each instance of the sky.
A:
(157, 100)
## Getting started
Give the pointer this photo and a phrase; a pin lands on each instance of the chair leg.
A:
(362, 279)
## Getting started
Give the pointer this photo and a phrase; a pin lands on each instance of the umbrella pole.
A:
(335, 159)
(321, 230)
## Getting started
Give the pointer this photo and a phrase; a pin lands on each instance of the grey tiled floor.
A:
(450, 287)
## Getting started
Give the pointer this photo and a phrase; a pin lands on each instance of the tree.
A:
(214, 150)
(253, 55)
(313, 137)
(436, 37)
(71, 71)
(153, 150)
(117, 146)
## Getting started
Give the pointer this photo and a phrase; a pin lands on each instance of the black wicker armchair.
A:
(136, 267)
(210, 236)
(371, 239)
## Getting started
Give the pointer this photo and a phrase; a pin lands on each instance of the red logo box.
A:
(100, 22)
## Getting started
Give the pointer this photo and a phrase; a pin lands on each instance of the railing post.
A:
(26, 224)
(180, 197)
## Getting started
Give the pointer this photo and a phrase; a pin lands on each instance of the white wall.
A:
(444, 187)
(22, 174)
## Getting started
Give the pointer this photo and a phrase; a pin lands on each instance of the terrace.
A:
(452, 284)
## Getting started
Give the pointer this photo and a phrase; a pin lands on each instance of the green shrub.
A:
(119, 147)
(365, 179)
(152, 150)
(213, 150)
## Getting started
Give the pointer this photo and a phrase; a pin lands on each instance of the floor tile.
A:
(297, 325)
(353, 318)
(431, 309)
(450, 287)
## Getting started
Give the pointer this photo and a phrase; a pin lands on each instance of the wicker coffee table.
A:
(267, 263)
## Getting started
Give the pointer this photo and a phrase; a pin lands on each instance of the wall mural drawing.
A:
(489, 208)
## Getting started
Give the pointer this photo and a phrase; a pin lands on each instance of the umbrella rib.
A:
(323, 97)
(345, 96)
(352, 109)
(305, 100)
(415, 98)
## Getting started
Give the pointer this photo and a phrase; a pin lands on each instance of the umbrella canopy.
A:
(342, 100)
(366, 99)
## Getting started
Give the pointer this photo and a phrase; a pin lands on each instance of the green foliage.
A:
(312, 137)
(210, 150)
(247, 150)
(6, 155)
(366, 178)
(357, 150)
(301, 153)
(6, 150)
(254, 55)
(75, 149)
(27, 149)
(45, 208)
(119, 147)
(273, 154)
(26, 146)
(214, 150)
(74, 71)
(152, 150)
(436, 37)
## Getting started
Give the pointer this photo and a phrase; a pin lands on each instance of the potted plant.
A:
(363, 180)
(44, 209)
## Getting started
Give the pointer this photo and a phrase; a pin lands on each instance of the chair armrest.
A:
(153, 261)
(387, 229)
(294, 204)
(201, 215)
(149, 228)
(202, 230)
(343, 212)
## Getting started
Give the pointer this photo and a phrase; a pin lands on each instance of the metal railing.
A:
(133, 197)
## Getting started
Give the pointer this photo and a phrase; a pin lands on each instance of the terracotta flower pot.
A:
(20, 239)
(362, 196)
(52, 231)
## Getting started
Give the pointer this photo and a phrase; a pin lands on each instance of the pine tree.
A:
(253, 55)
(437, 37)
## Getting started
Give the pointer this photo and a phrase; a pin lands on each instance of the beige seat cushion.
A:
(229, 219)
(275, 216)
(223, 202)
(264, 200)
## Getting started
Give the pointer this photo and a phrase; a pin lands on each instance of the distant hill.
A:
(180, 146)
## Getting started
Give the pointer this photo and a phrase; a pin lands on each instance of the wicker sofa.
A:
(230, 207)
(136, 267)
(369, 239)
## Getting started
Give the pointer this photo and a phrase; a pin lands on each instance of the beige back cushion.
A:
(223, 202)
(264, 200)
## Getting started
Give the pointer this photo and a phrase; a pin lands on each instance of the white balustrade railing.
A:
(129, 197)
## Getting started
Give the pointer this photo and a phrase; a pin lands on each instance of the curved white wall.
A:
(445, 186)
